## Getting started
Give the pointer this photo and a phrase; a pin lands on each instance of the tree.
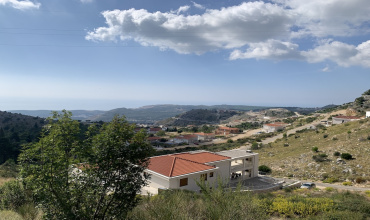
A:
(97, 178)
(264, 168)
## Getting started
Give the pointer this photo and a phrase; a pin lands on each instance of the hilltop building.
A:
(368, 114)
(343, 119)
(226, 131)
(273, 127)
(183, 170)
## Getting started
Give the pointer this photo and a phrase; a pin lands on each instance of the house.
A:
(188, 139)
(184, 170)
(154, 130)
(368, 114)
(205, 136)
(343, 119)
(154, 139)
(273, 127)
(226, 131)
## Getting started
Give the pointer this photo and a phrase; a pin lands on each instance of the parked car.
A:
(308, 185)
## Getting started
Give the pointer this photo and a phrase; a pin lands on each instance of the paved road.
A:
(324, 185)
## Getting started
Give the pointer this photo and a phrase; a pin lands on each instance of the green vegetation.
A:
(248, 125)
(16, 130)
(217, 203)
(264, 168)
(96, 178)
(346, 156)
(315, 149)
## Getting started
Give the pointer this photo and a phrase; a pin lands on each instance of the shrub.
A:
(264, 168)
(346, 156)
(329, 189)
(347, 184)
(319, 158)
(359, 180)
(336, 153)
(325, 135)
(315, 149)
(331, 180)
(230, 141)
(334, 138)
(254, 146)
(12, 195)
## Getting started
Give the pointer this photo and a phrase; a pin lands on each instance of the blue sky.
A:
(94, 54)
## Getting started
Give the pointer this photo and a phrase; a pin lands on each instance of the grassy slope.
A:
(296, 159)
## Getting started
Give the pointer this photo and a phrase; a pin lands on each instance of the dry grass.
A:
(296, 159)
(4, 180)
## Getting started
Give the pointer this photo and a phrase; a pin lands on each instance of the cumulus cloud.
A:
(328, 18)
(271, 49)
(199, 6)
(227, 28)
(258, 30)
(341, 53)
(21, 5)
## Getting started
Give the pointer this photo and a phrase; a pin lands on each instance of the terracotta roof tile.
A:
(185, 163)
(171, 166)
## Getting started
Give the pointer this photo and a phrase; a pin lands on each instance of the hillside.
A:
(15, 130)
(294, 157)
(76, 114)
(154, 113)
(199, 117)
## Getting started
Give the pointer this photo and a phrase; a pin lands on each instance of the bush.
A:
(346, 156)
(254, 146)
(347, 184)
(320, 157)
(359, 180)
(336, 153)
(230, 141)
(331, 180)
(325, 135)
(264, 168)
(315, 149)
(12, 195)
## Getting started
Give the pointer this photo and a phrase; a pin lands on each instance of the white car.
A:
(308, 185)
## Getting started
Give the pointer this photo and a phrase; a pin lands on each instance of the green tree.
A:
(93, 179)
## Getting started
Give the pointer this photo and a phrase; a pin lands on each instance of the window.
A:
(203, 177)
(184, 182)
(211, 174)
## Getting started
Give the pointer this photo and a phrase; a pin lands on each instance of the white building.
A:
(368, 114)
(205, 136)
(183, 170)
(277, 126)
(343, 119)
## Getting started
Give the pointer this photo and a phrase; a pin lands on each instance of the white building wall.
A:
(255, 165)
(174, 183)
(368, 114)
(157, 181)
(223, 169)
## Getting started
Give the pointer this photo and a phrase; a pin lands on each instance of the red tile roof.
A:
(155, 129)
(202, 157)
(228, 129)
(185, 163)
(188, 136)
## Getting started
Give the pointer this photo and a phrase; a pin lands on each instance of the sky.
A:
(101, 55)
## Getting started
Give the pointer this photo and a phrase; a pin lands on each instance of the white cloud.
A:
(231, 27)
(328, 18)
(21, 5)
(325, 69)
(271, 49)
(257, 30)
(341, 53)
(199, 6)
